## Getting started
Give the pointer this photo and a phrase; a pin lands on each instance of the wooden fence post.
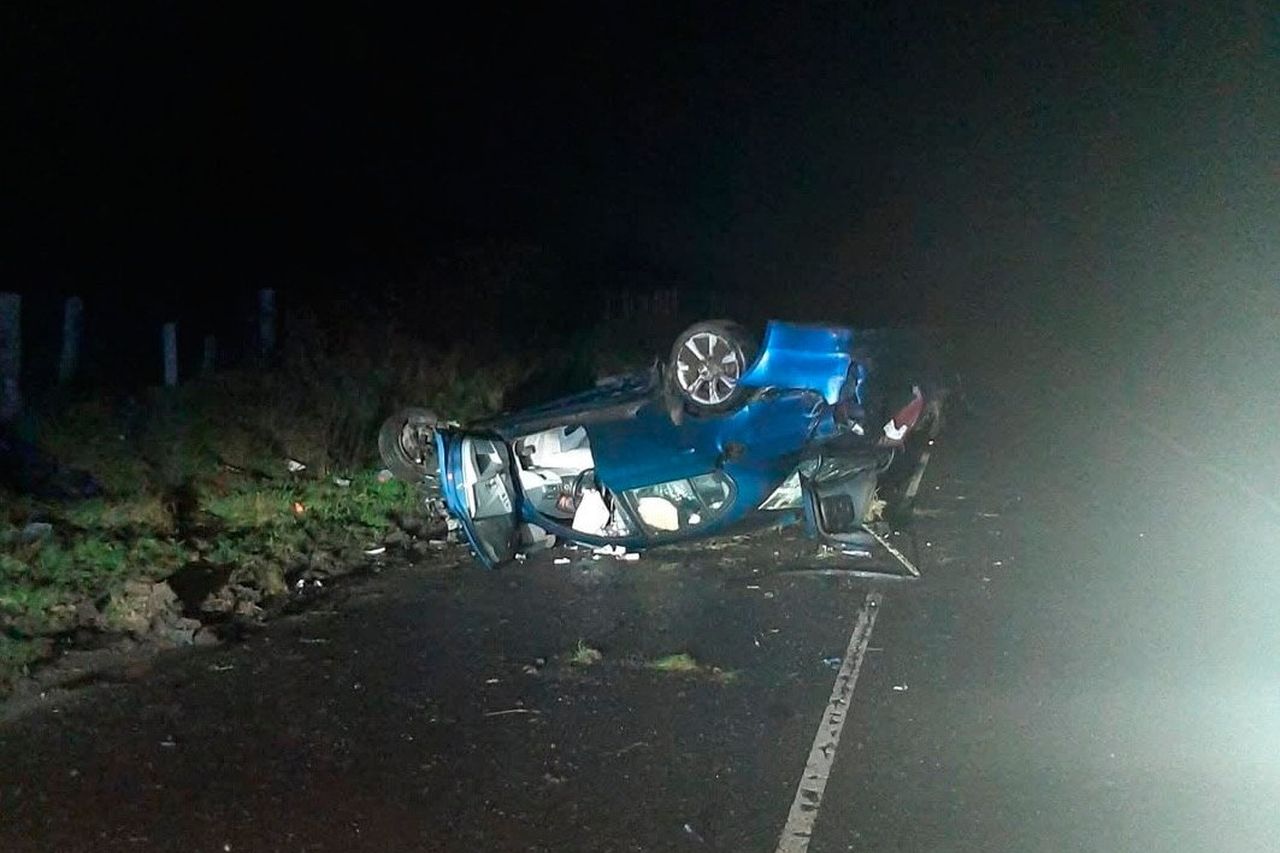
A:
(10, 355)
(266, 322)
(209, 359)
(72, 330)
(169, 340)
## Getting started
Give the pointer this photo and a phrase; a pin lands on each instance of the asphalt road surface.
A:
(1089, 663)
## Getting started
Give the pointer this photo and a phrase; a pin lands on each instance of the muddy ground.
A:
(1088, 664)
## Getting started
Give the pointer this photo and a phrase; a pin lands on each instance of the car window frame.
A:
(633, 509)
(565, 530)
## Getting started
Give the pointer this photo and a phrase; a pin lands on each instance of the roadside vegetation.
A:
(256, 475)
(224, 496)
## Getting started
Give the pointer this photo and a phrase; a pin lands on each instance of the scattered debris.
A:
(342, 482)
(385, 476)
(562, 561)
(689, 831)
(832, 662)
(682, 662)
(374, 552)
(509, 711)
(894, 552)
(900, 688)
(585, 655)
(294, 466)
(685, 664)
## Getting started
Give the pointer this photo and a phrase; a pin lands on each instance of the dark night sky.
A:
(885, 150)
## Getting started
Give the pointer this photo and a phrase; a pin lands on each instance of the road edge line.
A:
(798, 830)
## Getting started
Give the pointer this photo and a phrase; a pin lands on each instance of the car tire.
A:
(407, 444)
(708, 361)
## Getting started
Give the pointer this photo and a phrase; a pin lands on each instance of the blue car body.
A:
(705, 475)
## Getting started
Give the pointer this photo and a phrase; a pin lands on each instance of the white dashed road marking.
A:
(813, 782)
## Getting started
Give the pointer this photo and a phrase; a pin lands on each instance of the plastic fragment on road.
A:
(630, 557)
(900, 688)
(562, 561)
(610, 551)
(692, 833)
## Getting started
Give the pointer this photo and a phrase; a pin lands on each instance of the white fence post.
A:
(10, 354)
(266, 322)
(209, 359)
(72, 330)
(169, 339)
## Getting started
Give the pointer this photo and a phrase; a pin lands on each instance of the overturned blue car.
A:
(816, 425)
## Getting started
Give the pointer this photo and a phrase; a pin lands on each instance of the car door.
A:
(481, 490)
